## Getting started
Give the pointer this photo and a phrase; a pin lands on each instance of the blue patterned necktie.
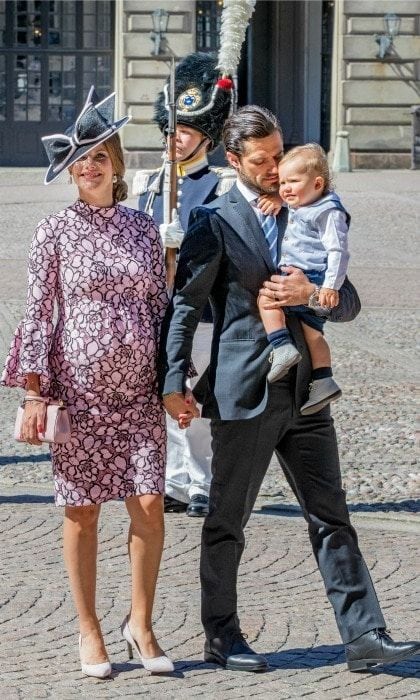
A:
(269, 226)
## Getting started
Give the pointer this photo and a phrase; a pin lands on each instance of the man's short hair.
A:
(249, 122)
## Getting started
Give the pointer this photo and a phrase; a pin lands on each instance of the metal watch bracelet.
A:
(313, 300)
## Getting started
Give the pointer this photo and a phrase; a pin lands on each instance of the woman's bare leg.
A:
(80, 547)
(145, 545)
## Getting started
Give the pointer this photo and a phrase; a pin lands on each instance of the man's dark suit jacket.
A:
(225, 258)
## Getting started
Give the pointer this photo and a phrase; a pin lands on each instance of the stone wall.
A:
(371, 98)
(377, 95)
(142, 75)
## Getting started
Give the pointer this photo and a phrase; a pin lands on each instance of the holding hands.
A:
(181, 407)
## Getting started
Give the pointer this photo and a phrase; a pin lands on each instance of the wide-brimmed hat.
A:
(94, 125)
(203, 98)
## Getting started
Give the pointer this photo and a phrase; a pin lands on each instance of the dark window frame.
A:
(208, 13)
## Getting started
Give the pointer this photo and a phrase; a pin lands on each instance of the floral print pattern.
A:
(103, 268)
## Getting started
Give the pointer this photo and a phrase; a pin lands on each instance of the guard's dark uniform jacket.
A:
(196, 185)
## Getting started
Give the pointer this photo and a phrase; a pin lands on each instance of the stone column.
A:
(142, 75)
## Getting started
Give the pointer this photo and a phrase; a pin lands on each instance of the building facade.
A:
(372, 98)
(312, 62)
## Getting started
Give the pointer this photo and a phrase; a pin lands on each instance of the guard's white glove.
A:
(173, 233)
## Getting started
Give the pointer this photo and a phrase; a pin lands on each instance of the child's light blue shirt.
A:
(316, 239)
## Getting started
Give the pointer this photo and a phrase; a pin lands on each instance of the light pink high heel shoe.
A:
(154, 664)
(102, 670)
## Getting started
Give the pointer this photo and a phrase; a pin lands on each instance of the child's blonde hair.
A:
(315, 161)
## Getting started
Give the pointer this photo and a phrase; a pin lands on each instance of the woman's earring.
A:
(114, 179)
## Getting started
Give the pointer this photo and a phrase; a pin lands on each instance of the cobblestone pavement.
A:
(283, 607)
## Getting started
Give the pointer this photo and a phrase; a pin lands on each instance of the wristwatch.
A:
(313, 301)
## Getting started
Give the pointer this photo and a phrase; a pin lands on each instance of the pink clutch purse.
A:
(58, 425)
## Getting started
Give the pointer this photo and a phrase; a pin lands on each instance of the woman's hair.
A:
(314, 160)
(114, 148)
(115, 152)
(249, 122)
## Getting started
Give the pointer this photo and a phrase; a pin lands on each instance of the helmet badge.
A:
(190, 99)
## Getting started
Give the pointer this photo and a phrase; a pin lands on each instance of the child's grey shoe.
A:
(282, 359)
(321, 393)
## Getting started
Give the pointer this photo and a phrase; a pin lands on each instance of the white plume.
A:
(235, 18)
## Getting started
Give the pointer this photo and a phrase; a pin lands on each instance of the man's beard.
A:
(253, 185)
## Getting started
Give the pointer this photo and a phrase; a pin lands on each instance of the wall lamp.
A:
(160, 19)
(386, 41)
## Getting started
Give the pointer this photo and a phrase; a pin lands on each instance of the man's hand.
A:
(288, 290)
(172, 234)
(270, 204)
(328, 297)
(181, 408)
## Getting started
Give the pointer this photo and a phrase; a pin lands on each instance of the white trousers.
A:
(188, 466)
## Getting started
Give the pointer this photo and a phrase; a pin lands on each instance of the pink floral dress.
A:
(104, 269)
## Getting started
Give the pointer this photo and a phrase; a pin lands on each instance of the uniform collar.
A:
(188, 167)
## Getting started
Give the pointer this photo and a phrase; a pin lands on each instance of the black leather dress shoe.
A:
(171, 505)
(376, 647)
(198, 507)
(233, 653)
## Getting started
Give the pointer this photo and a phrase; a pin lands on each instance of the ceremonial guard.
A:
(203, 102)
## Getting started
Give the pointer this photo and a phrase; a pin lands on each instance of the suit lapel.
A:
(241, 218)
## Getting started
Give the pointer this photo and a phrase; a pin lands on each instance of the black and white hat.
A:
(94, 125)
(203, 98)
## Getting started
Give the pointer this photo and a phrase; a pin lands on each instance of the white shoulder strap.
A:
(141, 181)
(227, 178)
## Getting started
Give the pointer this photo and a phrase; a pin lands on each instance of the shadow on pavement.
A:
(409, 506)
(329, 655)
(317, 657)
(293, 511)
(284, 510)
(135, 665)
(15, 459)
(26, 498)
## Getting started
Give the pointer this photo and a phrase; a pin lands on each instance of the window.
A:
(208, 19)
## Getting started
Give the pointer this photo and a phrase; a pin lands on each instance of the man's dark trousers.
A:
(307, 450)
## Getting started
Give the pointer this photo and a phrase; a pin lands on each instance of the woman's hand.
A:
(270, 204)
(33, 422)
(291, 289)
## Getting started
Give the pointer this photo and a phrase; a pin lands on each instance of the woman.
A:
(102, 264)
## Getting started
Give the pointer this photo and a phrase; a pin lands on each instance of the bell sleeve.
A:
(29, 352)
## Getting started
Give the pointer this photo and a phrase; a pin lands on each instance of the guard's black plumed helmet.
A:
(203, 99)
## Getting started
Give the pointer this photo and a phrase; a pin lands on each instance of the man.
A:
(226, 257)
(200, 119)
